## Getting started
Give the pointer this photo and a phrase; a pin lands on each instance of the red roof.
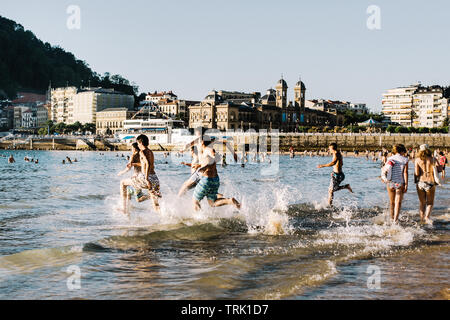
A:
(160, 94)
(26, 97)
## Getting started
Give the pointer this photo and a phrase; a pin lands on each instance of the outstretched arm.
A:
(229, 147)
(331, 164)
(187, 146)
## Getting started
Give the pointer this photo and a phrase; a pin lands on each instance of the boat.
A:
(159, 131)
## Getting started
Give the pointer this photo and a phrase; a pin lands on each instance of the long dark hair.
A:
(135, 146)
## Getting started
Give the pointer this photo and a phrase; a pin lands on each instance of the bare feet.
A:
(124, 211)
(143, 198)
(236, 204)
(428, 221)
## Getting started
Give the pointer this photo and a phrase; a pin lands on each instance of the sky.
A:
(194, 46)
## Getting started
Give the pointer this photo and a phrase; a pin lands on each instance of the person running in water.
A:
(209, 183)
(337, 176)
(134, 162)
(195, 176)
(146, 179)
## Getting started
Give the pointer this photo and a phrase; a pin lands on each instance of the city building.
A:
(110, 121)
(333, 106)
(61, 104)
(156, 97)
(430, 107)
(42, 115)
(416, 105)
(7, 118)
(30, 117)
(359, 108)
(175, 109)
(87, 102)
(70, 105)
(240, 111)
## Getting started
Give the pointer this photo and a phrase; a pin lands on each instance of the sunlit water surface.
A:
(283, 244)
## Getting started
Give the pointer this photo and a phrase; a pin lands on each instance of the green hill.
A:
(28, 64)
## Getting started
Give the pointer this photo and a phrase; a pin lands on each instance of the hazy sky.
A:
(192, 47)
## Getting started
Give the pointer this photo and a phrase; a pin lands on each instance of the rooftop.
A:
(114, 110)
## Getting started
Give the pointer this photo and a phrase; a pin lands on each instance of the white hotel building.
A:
(416, 105)
(430, 106)
(398, 104)
(70, 105)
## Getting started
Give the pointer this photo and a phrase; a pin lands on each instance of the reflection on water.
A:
(283, 244)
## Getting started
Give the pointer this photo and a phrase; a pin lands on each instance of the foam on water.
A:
(284, 239)
(265, 214)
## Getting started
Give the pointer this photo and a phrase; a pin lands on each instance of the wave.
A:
(30, 260)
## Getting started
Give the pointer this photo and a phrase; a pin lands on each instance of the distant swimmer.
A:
(11, 159)
(292, 152)
(69, 160)
(64, 162)
(337, 176)
(426, 177)
(209, 184)
(146, 179)
(395, 175)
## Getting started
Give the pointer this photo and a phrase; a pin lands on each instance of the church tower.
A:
(299, 94)
(281, 89)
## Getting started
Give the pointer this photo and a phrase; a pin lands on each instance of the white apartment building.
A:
(359, 108)
(41, 115)
(70, 105)
(87, 102)
(398, 103)
(156, 97)
(30, 117)
(416, 105)
(430, 107)
(61, 104)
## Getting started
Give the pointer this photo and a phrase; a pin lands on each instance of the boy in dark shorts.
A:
(337, 176)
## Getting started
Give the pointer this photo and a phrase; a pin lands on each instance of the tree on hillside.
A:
(27, 63)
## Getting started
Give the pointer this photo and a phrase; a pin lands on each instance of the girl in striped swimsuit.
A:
(398, 184)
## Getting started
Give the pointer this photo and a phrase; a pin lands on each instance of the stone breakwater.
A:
(350, 142)
(284, 141)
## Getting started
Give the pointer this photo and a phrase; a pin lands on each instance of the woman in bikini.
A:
(426, 183)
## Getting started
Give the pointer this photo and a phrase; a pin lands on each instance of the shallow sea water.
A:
(283, 244)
